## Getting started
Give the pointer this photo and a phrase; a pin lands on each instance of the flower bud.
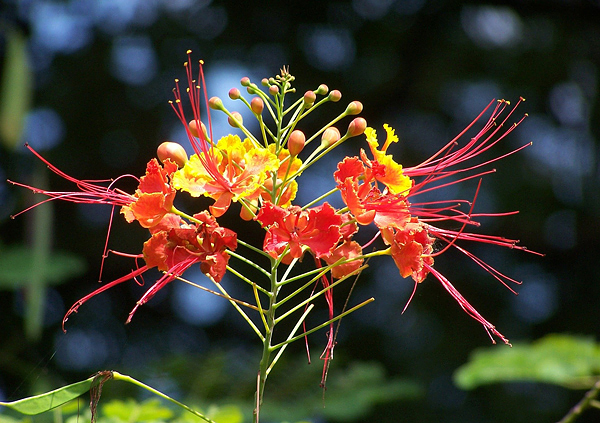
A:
(239, 121)
(309, 99)
(330, 136)
(296, 142)
(215, 103)
(173, 151)
(193, 127)
(245, 81)
(322, 90)
(257, 105)
(273, 90)
(265, 82)
(356, 127)
(335, 96)
(354, 108)
(234, 94)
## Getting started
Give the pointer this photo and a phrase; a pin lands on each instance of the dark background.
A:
(102, 73)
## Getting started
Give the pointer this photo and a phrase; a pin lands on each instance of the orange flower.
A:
(411, 249)
(173, 248)
(154, 196)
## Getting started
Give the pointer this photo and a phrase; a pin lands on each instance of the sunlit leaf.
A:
(49, 400)
(131, 410)
(564, 360)
(226, 414)
(9, 419)
(16, 268)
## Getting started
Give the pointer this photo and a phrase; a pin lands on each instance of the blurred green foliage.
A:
(16, 268)
(565, 360)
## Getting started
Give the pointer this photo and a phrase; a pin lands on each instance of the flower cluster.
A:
(262, 173)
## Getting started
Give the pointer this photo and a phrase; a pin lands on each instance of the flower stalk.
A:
(264, 173)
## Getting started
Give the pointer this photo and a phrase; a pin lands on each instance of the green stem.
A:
(233, 301)
(312, 297)
(125, 378)
(586, 402)
(316, 200)
(248, 281)
(267, 349)
(290, 336)
(253, 248)
(322, 325)
(249, 262)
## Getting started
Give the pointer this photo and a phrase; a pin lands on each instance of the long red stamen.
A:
(466, 306)
(200, 144)
(75, 307)
(90, 192)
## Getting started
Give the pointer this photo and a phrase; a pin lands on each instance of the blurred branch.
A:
(589, 400)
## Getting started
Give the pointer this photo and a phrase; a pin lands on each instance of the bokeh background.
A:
(86, 82)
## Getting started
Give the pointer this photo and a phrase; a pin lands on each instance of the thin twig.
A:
(588, 400)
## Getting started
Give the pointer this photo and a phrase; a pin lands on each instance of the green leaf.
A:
(226, 414)
(49, 400)
(565, 360)
(352, 392)
(16, 269)
(133, 411)
(9, 419)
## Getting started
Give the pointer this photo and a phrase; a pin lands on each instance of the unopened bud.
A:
(245, 81)
(265, 82)
(322, 90)
(356, 127)
(309, 99)
(273, 90)
(239, 121)
(296, 142)
(173, 151)
(193, 127)
(257, 105)
(330, 136)
(234, 94)
(215, 103)
(335, 96)
(354, 108)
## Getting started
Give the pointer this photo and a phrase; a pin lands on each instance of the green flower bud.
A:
(309, 99)
(330, 136)
(215, 103)
(273, 90)
(265, 82)
(245, 81)
(235, 120)
(322, 90)
(354, 108)
(335, 96)
(356, 127)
